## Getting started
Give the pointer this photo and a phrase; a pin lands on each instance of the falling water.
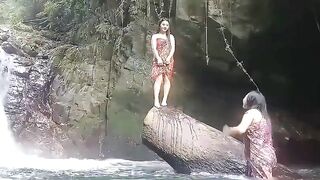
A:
(14, 164)
(8, 147)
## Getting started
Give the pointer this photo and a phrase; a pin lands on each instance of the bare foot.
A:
(157, 105)
(164, 104)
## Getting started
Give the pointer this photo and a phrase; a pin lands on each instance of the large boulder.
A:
(191, 146)
(11, 49)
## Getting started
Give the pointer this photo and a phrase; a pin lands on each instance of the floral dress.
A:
(163, 47)
(259, 151)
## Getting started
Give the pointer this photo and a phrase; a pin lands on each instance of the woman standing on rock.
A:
(163, 47)
(256, 127)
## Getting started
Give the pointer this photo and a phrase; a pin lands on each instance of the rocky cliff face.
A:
(28, 103)
(65, 99)
(81, 85)
(258, 33)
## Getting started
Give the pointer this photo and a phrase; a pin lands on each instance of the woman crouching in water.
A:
(256, 127)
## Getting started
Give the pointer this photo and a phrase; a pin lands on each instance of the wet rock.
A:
(191, 146)
(23, 27)
(28, 104)
(240, 17)
(296, 142)
(4, 37)
(62, 99)
(28, 50)
(11, 49)
(79, 92)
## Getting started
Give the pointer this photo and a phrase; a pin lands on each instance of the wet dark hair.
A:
(256, 100)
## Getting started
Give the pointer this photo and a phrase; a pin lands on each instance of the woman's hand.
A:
(226, 130)
(168, 60)
(159, 61)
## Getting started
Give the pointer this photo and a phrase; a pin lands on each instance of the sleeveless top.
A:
(163, 47)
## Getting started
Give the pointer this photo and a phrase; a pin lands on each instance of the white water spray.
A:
(15, 164)
(12, 158)
(8, 147)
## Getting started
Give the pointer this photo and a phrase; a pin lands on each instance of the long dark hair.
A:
(168, 31)
(256, 100)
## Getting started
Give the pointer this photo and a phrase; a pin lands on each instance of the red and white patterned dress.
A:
(163, 47)
(259, 151)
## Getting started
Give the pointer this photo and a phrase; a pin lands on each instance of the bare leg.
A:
(156, 90)
(166, 89)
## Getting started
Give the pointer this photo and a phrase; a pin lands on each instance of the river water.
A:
(38, 168)
(14, 164)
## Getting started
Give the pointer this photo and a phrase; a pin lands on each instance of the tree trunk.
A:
(189, 145)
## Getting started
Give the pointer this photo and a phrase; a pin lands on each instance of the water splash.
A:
(8, 148)
(17, 165)
(12, 158)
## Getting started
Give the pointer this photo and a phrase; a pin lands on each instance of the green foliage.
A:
(19, 10)
(84, 21)
(107, 30)
(52, 9)
(58, 12)
(10, 14)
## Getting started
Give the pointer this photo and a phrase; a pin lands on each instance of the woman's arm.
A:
(154, 48)
(241, 128)
(173, 48)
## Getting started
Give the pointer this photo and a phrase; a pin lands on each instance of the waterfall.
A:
(13, 160)
(8, 147)
(11, 157)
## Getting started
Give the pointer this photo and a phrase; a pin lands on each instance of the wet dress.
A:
(259, 151)
(163, 47)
